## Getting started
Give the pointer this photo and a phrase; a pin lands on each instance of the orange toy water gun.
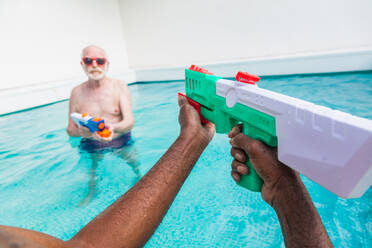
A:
(94, 124)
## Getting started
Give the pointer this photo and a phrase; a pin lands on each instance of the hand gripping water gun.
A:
(94, 124)
(330, 147)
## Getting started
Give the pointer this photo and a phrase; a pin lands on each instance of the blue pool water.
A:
(44, 177)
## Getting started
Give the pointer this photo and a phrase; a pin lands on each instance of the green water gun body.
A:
(201, 88)
(330, 147)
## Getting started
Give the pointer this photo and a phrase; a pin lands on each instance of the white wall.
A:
(41, 40)
(163, 33)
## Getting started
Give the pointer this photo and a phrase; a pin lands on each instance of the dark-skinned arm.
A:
(133, 218)
(282, 189)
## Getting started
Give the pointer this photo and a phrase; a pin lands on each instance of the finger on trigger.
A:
(242, 141)
(235, 130)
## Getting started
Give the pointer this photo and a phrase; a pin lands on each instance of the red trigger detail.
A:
(196, 105)
(199, 69)
(247, 78)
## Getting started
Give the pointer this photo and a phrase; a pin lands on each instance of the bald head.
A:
(94, 52)
(94, 62)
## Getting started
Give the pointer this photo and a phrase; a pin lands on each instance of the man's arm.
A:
(127, 123)
(133, 218)
(72, 129)
(282, 189)
(11, 237)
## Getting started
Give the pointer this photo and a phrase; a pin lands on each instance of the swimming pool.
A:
(43, 177)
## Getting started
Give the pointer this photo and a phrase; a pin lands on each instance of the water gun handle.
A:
(252, 181)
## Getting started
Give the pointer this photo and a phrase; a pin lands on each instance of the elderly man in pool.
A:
(132, 219)
(109, 99)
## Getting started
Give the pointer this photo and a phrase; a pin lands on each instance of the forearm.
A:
(133, 218)
(73, 132)
(123, 126)
(300, 222)
(20, 237)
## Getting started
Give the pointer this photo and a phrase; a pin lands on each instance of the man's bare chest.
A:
(105, 102)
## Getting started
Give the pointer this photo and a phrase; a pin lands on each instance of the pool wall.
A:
(30, 96)
(156, 40)
(167, 33)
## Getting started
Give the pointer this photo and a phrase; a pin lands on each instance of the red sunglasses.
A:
(89, 61)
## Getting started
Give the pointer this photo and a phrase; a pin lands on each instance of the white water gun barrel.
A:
(330, 147)
(80, 119)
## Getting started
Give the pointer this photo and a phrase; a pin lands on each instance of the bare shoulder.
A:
(120, 84)
(77, 90)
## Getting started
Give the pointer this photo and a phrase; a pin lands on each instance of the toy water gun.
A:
(328, 146)
(94, 124)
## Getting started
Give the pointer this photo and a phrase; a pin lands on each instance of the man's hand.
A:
(110, 127)
(190, 122)
(96, 136)
(264, 159)
(84, 132)
(282, 189)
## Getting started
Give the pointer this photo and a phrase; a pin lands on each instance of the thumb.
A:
(182, 100)
(211, 128)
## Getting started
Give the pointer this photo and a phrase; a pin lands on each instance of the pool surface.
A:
(44, 177)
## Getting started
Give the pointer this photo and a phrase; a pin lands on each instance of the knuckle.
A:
(232, 151)
(234, 130)
(235, 176)
(240, 138)
(237, 141)
(234, 165)
(254, 147)
(243, 169)
(240, 169)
